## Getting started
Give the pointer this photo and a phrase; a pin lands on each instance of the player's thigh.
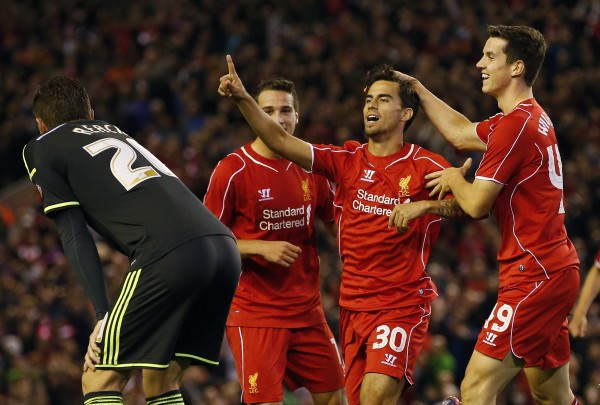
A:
(486, 376)
(313, 360)
(260, 361)
(550, 386)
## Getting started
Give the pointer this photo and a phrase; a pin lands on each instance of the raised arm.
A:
(272, 134)
(455, 127)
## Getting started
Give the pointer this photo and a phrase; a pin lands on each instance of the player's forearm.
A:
(452, 125)
(471, 201)
(448, 209)
(274, 135)
(82, 254)
(589, 291)
(250, 247)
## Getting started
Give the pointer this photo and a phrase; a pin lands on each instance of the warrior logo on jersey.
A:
(368, 176)
(404, 191)
(306, 188)
(265, 194)
(253, 381)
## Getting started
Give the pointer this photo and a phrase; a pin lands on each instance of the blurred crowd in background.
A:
(152, 68)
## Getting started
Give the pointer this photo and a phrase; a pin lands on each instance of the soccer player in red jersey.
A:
(520, 180)
(589, 291)
(385, 292)
(276, 326)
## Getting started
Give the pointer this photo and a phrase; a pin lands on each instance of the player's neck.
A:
(513, 96)
(259, 147)
(379, 146)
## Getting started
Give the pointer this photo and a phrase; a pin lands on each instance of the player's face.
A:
(279, 105)
(383, 110)
(495, 72)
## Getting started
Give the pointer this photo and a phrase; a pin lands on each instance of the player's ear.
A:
(91, 114)
(517, 69)
(297, 117)
(407, 114)
(41, 126)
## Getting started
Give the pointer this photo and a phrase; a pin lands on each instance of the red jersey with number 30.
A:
(522, 154)
(274, 200)
(383, 269)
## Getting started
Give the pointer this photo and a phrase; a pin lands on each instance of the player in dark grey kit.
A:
(184, 264)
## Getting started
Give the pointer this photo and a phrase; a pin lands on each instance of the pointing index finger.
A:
(230, 65)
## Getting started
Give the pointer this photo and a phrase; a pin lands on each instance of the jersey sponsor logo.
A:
(253, 381)
(403, 183)
(390, 359)
(286, 218)
(306, 189)
(363, 196)
(368, 175)
(265, 194)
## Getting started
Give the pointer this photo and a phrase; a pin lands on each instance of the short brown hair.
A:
(408, 95)
(61, 99)
(522, 43)
(279, 84)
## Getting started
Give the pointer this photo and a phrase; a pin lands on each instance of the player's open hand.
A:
(578, 325)
(230, 84)
(404, 77)
(440, 180)
(402, 214)
(92, 356)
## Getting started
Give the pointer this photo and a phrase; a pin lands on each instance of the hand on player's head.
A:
(230, 84)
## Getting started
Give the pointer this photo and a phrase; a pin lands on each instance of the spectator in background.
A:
(276, 327)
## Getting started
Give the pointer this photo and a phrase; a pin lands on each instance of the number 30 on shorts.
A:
(395, 338)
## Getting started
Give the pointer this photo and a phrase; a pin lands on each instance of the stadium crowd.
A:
(152, 68)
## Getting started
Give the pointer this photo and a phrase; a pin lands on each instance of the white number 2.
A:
(385, 336)
(123, 159)
(555, 178)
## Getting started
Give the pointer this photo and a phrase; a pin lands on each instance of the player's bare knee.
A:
(103, 380)
(473, 390)
(329, 398)
(378, 389)
(157, 382)
(542, 397)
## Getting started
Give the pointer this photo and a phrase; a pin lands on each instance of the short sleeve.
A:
(220, 195)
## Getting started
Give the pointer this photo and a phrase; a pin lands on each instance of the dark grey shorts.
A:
(173, 308)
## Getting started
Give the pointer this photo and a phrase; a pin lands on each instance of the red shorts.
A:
(383, 342)
(530, 319)
(265, 358)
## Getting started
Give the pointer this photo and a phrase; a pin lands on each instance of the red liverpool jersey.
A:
(522, 154)
(276, 200)
(383, 269)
